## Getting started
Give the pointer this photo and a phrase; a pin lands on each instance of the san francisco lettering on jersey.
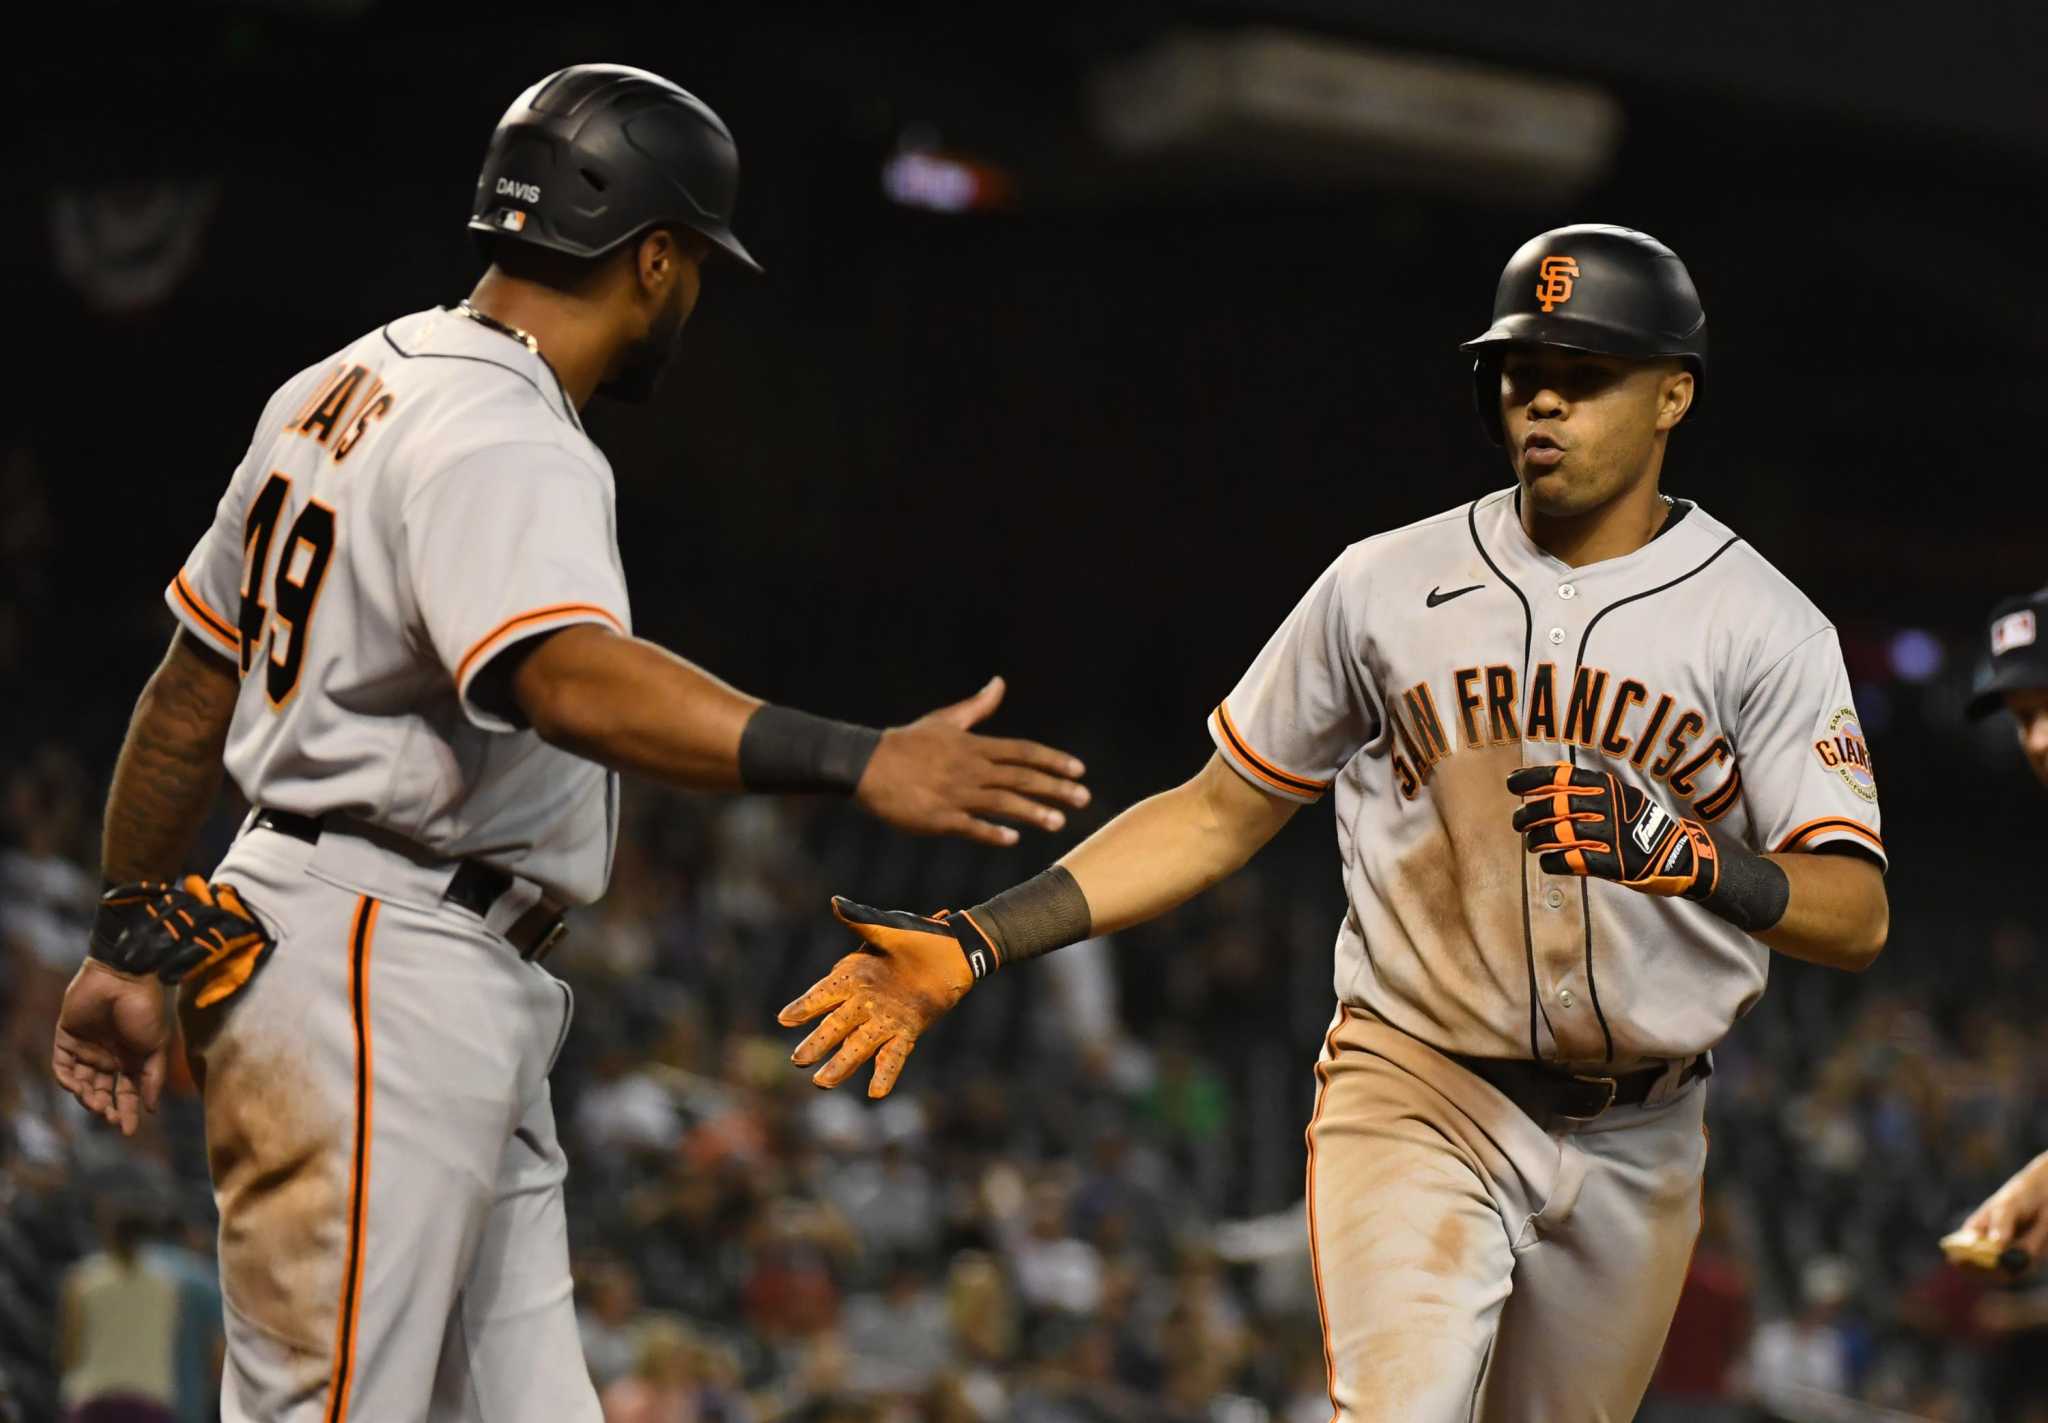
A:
(1618, 717)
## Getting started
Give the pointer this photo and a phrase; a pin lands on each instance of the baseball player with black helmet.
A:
(1594, 759)
(2009, 1231)
(406, 634)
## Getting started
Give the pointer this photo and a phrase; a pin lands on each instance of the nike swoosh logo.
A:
(1436, 597)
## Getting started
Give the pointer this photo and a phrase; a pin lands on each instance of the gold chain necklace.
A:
(491, 323)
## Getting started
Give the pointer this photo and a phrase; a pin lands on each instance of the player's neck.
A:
(569, 340)
(1614, 530)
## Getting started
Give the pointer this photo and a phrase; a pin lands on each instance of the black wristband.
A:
(1750, 891)
(1046, 912)
(112, 918)
(783, 749)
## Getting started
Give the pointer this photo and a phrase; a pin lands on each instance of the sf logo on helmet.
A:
(1556, 286)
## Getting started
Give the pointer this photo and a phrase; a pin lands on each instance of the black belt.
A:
(476, 887)
(1549, 1094)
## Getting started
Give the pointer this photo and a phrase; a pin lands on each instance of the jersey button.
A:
(1555, 899)
(1567, 591)
(1556, 636)
(1564, 997)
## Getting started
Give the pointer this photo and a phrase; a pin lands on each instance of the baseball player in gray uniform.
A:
(1594, 759)
(407, 635)
(2009, 1231)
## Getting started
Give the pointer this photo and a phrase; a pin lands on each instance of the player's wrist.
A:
(976, 947)
(1746, 889)
(783, 749)
(1046, 912)
(114, 941)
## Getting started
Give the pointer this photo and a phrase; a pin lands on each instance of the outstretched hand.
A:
(111, 1035)
(2012, 1225)
(907, 974)
(937, 776)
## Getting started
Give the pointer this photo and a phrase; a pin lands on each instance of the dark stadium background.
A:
(1100, 438)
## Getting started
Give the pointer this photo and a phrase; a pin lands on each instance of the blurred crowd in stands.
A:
(1083, 1204)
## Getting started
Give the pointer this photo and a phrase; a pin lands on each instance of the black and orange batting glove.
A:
(1583, 822)
(190, 931)
(909, 970)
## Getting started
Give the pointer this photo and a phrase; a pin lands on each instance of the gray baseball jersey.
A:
(1429, 662)
(406, 511)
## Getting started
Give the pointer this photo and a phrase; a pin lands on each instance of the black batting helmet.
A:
(596, 154)
(2015, 656)
(1590, 287)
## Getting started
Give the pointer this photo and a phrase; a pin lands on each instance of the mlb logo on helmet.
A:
(511, 219)
(1556, 287)
(2013, 630)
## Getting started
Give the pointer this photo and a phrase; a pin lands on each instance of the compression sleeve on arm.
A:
(783, 749)
(1749, 891)
(1046, 912)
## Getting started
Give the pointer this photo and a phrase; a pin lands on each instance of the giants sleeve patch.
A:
(1844, 751)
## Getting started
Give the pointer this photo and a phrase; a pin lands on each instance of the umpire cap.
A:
(2016, 656)
(1591, 287)
(595, 154)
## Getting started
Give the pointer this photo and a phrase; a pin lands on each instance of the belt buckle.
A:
(1607, 1082)
(549, 940)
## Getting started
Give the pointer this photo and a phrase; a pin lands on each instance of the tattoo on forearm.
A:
(170, 767)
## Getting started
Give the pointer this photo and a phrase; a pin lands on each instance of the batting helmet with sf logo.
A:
(1590, 287)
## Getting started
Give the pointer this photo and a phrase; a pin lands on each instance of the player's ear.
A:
(1674, 397)
(655, 258)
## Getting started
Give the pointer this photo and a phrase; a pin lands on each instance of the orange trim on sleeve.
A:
(361, 935)
(213, 622)
(513, 624)
(1804, 834)
(1259, 765)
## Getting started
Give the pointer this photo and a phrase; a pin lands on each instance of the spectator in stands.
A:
(1190, 1105)
(46, 893)
(1201, 1315)
(888, 1198)
(185, 1254)
(1798, 1365)
(46, 898)
(117, 1328)
(1074, 1379)
(981, 1316)
(896, 1336)
(609, 1319)
(670, 1382)
(1697, 1378)
(1306, 1398)
(950, 1400)
(797, 1250)
(1056, 1272)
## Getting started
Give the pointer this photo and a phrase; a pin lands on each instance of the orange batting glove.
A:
(909, 970)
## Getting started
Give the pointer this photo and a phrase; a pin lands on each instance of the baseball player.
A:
(407, 635)
(1593, 759)
(2010, 1230)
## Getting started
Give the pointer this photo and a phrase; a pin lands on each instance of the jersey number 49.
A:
(294, 584)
